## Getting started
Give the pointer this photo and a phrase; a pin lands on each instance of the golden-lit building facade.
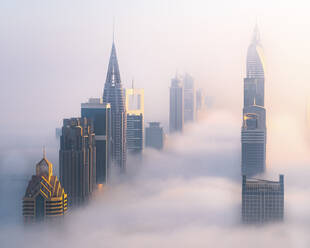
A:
(134, 103)
(44, 199)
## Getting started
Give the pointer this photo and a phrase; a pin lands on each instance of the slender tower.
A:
(253, 134)
(176, 114)
(113, 94)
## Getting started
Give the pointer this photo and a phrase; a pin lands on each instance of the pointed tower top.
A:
(112, 92)
(256, 34)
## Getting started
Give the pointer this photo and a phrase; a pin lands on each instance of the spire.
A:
(256, 35)
(113, 30)
(132, 84)
(44, 152)
(113, 87)
(113, 74)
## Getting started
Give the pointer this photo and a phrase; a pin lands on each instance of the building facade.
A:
(189, 99)
(44, 199)
(176, 114)
(77, 160)
(154, 136)
(262, 200)
(253, 134)
(113, 94)
(100, 115)
(134, 102)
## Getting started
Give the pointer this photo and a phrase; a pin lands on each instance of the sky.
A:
(54, 55)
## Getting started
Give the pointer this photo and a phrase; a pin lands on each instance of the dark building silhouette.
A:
(100, 115)
(44, 199)
(253, 134)
(176, 114)
(77, 159)
(189, 98)
(154, 136)
(262, 200)
(113, 94)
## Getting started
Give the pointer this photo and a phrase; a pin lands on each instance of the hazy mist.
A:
(54, 55)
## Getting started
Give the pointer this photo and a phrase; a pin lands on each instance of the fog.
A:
(54, 56)
(185, 196)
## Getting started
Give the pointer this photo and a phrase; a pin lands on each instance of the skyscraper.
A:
(113, 94)
(253, 134)
(200, 103)
(44, 199)
(154, 136)
(134, 99)
(100, 115)
(262, 200)
(176, 114)
(189, 98)
(77, 159)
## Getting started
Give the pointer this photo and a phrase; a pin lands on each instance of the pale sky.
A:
(54, 54)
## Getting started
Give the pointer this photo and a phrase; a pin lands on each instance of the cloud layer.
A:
(186, 196)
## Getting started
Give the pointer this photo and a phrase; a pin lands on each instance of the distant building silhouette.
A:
(176, 114)
(253, 135)
(189, 98)
(262, 200)
(44, 199)
(58, 132)
(100, 115)
(200, 103)
(113, 94)
(154, 136)
(77, 159)
(134, 99)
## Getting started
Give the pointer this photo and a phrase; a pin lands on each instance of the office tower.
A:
(262, 200)
(113, 94)
(253, 134)
(189, 99)
(44, 199)
(134, 99)
(77, 159)
(200, 103)
(100, 115)
(176, 114)
(154, 136)
(58, 133)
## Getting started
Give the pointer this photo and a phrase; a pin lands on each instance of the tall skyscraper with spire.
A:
(253, 136)
(113, 94)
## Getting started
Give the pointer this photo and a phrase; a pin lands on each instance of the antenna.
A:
(44, 152)
(132, 83)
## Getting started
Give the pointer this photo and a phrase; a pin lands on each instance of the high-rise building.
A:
(154, 136)
(253, 134)
(262, 200)
(44, 199)
(189, 99)
(176, 114)
(58, 132)
(200, 103)
(113, 94)
(77, 159)
(100, 115)
(134, 99)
